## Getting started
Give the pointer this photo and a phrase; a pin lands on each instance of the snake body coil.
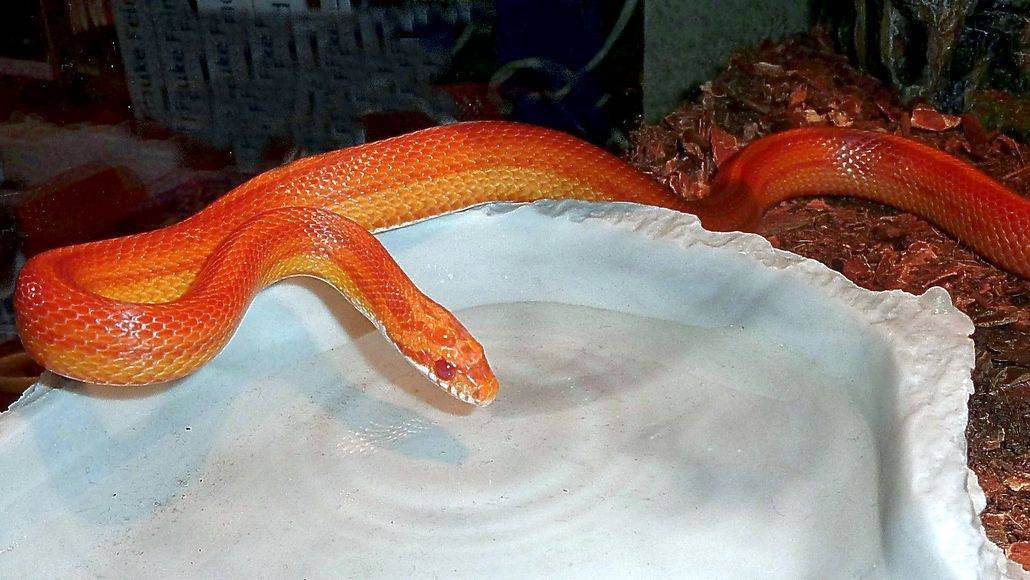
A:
(156, 306)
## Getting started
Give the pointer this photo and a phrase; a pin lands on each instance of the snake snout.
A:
(484, 385)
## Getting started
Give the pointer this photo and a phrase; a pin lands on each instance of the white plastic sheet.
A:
(674, 402)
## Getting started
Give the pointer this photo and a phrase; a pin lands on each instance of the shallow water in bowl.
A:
(618, 442)
(666, 409)
(622, 441)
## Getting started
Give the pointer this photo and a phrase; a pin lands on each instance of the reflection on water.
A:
(619, 442)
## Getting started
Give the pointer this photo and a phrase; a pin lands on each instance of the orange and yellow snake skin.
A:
(158, 305)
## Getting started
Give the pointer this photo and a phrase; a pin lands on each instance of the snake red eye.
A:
(443, 369)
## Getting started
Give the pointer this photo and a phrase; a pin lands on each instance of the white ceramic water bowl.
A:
(674, 403)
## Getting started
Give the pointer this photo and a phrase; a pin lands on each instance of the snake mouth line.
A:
(462, 396)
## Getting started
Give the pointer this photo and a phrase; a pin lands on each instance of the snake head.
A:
(451, 357)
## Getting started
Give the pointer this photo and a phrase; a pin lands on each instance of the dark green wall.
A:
(687, 41)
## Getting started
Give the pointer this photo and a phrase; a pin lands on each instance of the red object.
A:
(475, 101)
(444, 369)
(386, 124)
(932, 120)
(80, 205)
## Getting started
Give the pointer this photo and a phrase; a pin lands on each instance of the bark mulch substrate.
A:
(801, 82)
